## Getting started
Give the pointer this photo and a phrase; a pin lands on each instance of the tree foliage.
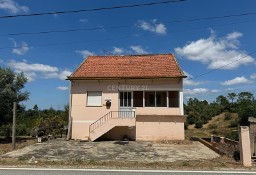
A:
(11, 85)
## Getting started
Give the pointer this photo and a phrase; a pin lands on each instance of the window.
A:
(125, 99)
(138, 99)
(150, 99)
(94, 98)
(161, 100)
(174, 99)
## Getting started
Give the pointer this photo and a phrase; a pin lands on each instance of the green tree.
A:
(223, 101)
(11, 85)
(232, 96)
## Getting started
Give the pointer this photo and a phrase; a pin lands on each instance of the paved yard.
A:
(60, 150)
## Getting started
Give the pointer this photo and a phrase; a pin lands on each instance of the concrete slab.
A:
(61, 150)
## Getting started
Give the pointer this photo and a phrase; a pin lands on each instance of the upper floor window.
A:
(94, 98)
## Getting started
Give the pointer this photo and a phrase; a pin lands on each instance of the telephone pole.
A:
(14, 125)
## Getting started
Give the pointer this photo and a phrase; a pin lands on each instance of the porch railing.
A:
(110, 115)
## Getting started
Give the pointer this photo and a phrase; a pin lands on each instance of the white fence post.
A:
(245, 147)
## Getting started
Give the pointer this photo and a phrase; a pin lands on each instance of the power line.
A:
(126, 26)
(94, 9)
(200, 75)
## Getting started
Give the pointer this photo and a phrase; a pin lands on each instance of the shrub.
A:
(215, 132)
(233, 135)
(228, 116)
(199, 124)
(212, 126)
(6, 130)
(234, 123)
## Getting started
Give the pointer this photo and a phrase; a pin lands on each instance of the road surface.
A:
(35, 171)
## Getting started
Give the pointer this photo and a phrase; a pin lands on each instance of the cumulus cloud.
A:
(62, 88)
(19, 49)
(12, 7)
(198, 91)
(152, 26)
(117, 50)
(138, 50)
(189, 82)
(253, 76)
(235, 81)
(85, 53)
(33, 71)
(216, 52)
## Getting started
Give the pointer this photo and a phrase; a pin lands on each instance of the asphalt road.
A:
(6, 171)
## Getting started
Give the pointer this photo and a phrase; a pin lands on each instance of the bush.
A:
(212, 126)
(228, 116)
(233, 135)
(215, 132)
(6, 130)
(21, 130)
(199, 124)
(234, 123)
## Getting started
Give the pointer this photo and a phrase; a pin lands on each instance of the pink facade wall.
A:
(82, 116)
(160, 127)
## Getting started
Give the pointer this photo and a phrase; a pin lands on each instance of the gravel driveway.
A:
(61, 150)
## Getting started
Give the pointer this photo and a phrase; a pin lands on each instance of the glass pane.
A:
(150, 99)
(121, 98)
(174, 99)
(125, 98)
(129, 98)
(161, 99)
(137, 99)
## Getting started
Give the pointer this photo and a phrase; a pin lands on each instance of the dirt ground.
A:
(6, 144)
(61, 150)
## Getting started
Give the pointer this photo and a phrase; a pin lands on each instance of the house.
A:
(135, 96)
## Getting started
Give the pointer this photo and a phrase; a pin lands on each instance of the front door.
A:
(125, 104)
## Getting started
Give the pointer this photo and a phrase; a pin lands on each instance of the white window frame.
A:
(97, 97)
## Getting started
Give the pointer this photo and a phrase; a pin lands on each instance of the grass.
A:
(216, 126)
(222, 162)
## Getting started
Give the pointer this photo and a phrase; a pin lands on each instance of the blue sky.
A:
(200, 46)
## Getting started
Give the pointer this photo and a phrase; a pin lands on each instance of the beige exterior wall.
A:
(119, 132)
(160, 127)
(83, 116)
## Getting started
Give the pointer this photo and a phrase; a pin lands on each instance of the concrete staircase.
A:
(109, 121)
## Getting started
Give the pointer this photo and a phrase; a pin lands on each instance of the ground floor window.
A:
(125, 99)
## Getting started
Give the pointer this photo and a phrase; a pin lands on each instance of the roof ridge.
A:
(128, 55)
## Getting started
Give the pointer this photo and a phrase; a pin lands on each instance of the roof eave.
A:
(117, 78)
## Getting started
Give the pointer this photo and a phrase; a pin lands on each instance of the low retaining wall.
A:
(221, 145)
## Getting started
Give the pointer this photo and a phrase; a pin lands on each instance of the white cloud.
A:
(216, 52)
(253, 76)
(85, 53)
(20, 50)
(83, 20)
(12, 7)
(117, 50)
(189, 82)
(195, 91)
(152, 26)
(62, 88)
(198, 91)
(32, 71)
(138, 50)
(235, 81)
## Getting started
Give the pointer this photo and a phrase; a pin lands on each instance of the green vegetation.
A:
(11, 85)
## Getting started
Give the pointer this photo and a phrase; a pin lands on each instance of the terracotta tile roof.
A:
(128, 66)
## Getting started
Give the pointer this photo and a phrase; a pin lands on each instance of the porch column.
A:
(181, 103)
(244, 144)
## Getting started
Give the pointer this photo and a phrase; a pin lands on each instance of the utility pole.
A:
(14, 125)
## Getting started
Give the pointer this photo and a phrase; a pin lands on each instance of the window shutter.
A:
(94, 98)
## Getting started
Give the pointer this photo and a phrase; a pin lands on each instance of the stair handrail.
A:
(100, 121)
(108, 116)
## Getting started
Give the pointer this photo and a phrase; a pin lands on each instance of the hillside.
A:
(218, 125)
